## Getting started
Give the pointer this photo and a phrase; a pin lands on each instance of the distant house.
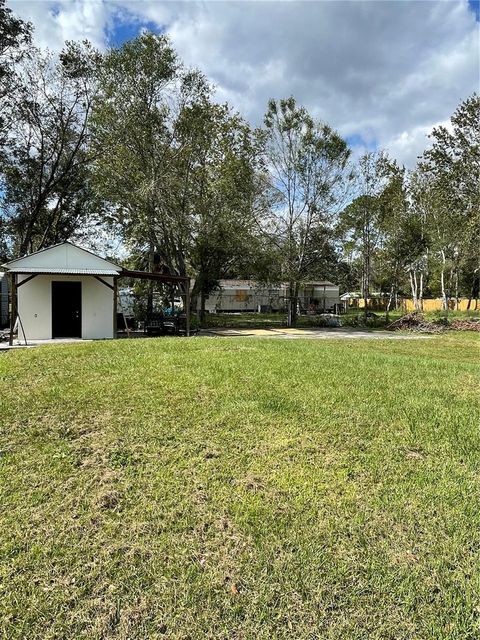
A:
(249, 295)
(244, 295)
(320, 296)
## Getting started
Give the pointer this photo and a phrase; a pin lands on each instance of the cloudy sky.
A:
(382, 72)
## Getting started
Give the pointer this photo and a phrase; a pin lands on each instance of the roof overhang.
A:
(121, 273)
(64, 272)
(149, 275)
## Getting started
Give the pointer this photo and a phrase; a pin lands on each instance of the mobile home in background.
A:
(251, 296)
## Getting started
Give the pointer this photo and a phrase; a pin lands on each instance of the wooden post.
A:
(187, 307)
(13, 305)
(115, 295)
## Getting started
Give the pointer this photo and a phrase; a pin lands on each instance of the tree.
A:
(307, 164)
(403, 239)
(222, 199)
(143, 169)
(360, 220)
(15, 38)
(45, 169)
(176, 170)
(451, 175)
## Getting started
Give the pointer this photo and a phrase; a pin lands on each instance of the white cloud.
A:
(381, 71)
(62, 20)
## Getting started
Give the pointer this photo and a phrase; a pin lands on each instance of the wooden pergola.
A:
(182, 282)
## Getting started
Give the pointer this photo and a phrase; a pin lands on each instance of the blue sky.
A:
(382, 72)
(127, 26)
(474, 6)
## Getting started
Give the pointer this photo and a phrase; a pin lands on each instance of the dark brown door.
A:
(66, 309)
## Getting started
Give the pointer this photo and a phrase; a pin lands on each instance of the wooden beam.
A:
(30, 277)
(149, 275)
(107, 284)
(20, 324)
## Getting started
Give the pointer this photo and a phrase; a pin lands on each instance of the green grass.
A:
(245, 320)
(452, 314)
(265, 320)
(241, 489)
(353, 317)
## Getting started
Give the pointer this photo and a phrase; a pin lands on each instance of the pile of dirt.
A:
(416, 322)
(468, 324)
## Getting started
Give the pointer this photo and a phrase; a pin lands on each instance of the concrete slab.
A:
(4, 346)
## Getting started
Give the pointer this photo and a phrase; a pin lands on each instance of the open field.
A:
(241, 489)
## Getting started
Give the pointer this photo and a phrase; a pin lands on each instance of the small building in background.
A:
(246, 296)
(319, 297)
(251, 296)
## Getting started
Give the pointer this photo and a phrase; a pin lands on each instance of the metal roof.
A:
(54, 246)
(54, 270)
(62, 258)
(232, 284)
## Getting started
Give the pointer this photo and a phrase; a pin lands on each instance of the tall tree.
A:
(145, 157)
(15, 38)
(223, 222)
(177, 170)
(45, 168)
(403, 239)
(451, 175)
(360, 220)
(307, 165)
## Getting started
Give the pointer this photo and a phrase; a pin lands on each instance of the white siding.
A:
(246, 295)
(35, 307)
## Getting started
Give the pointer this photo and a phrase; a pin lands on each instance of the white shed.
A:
(63, 291)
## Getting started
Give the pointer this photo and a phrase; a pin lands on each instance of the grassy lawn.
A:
(241, 489)
(214, 320)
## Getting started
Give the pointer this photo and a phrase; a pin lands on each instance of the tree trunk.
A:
(203, 298)
(390, 297)
(444, 294)
(456, 290)
(442, 283)
(474, 290)
(151, 257)
(292, 304)
(414, 288)
(366, 286)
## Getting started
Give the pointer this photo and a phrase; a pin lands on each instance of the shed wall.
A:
(35, 307)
